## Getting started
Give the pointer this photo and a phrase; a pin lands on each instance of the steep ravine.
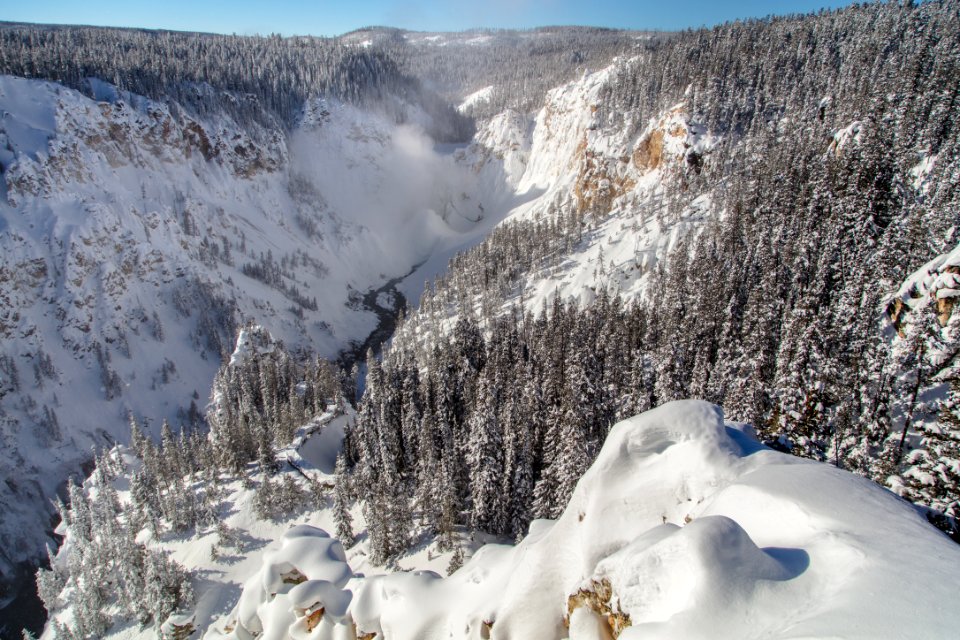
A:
(336, 173)
(117, 282)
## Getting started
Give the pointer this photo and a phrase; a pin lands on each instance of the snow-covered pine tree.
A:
(485, 449)
(341, 503)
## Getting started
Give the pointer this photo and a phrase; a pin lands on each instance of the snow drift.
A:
(684, 527)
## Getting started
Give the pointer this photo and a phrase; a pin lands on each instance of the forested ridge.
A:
(268, 78)
(177, 486)
(264, 79)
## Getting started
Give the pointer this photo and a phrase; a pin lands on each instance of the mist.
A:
(402, 197)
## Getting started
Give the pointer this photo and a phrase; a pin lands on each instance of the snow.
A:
(708, 566)
(28, 117)
(474, 99)
(308, 572)
(703, 533)
(694, 529)
(921, 172)
(478, 40)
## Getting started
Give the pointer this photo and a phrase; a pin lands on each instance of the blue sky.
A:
(329, 17)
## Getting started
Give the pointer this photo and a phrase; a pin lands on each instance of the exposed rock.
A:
(649, 152)
(598, 598)
(599, 184)
(178, 627)
(314, 618)
(937, 284)
(360, 635)
(485, 628)
(294, 576)
(945, 309)
(895, 311)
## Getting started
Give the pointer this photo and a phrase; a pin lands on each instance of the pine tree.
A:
(547, 503)
(266, 458)
(171, 459)
(448, 515)
(167, 586)
(264, 498)
(341, 503)
(933, 475)
(485, 460)
(375, 514)
(456, 560)
(574, 459)
(138, 440)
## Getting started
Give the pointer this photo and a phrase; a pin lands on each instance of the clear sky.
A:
(333, 17)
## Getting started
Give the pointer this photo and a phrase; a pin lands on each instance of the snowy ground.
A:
(684, 527)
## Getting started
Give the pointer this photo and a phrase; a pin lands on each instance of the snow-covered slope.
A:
(684, 527)
(617, 180)
(224, 557)
(135, 236)
(568, 166)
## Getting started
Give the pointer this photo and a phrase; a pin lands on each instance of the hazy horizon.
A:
(294, 17)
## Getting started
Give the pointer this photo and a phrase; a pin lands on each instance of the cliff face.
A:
(570, 166)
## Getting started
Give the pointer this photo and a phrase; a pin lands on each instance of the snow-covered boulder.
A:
(298, 592)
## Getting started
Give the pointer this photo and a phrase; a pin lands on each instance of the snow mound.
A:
(708, 568)
(684, 527)
(298, 593)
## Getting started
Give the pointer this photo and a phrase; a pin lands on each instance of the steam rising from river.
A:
(388, 179)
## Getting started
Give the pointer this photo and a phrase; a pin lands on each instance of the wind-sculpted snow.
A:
(306, 575)
(684, 527)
